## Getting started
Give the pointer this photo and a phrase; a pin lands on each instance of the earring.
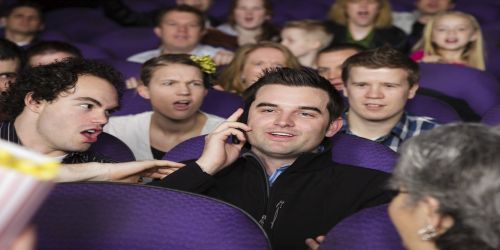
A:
(427, 233)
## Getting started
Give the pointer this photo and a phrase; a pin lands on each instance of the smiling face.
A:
(378, 95)
(180, 32)
(250, 14)
(362, 13)
(330, 66)
(258, 60)
(73, 121)
(452, 33)
(176, 91)
(288, 121)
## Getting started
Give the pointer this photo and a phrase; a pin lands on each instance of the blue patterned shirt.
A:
(408, 126)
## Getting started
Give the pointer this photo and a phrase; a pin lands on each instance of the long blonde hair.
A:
(474, 51)
(384, 18)
(230, 78)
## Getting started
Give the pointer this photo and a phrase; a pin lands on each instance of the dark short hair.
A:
(383, 57)
(47, 82)
(29, 4)
(303, 77)
(149, 67)
(182, 8)
(343, 46)
(50, 47)
(10, 51)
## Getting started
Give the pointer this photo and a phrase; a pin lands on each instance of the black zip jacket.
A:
(305, 201)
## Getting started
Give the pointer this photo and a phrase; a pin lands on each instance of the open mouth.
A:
(281, 134)
(91, 135)
(182, 105)
(363, 14)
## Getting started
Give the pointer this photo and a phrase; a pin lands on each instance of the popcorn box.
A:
(26, 178)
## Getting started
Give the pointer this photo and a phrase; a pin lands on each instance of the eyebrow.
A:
(89, 99)
(266, 104)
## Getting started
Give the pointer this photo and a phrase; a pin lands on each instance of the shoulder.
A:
(144, 56)
(126, 121)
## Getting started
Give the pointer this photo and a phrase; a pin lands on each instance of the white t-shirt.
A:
(134, 131)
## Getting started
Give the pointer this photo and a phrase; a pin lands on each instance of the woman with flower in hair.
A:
(176, 85)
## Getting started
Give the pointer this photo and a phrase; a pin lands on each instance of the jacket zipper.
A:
(279, 205)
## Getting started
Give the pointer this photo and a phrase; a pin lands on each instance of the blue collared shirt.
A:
(276, 174)
(408, 126)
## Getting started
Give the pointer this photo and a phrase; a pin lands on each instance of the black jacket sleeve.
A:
(189, 178)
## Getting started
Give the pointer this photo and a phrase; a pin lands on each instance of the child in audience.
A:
(367, 23)
(250, 61)
(176, 85)
(452, 37)
(249, 21)
(305, 39)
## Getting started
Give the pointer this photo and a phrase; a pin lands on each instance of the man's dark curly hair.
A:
(47, 82)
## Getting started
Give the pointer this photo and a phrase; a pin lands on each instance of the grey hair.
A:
(459, 165)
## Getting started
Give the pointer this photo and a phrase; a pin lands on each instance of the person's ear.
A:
(334, 127)
(143, 91)
(157, 31)
(413, 91)
(34, 105)
(3, 20)
(438, 220)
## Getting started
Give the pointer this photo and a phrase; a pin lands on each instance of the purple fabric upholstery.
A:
(216, 102)
(370, 228)
(422, 105)
(479, 89)
(128, 69)
(53, 35)
(112, 148)
(357, 151)
(124, 42)
(483, 12)
(91, 51)
(492, 117)
(187, 150)
(125, 216)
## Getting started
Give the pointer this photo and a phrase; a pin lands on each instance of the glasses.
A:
(7, 76)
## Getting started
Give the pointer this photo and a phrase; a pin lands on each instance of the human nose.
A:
(284, 120)
(183, 89)
(100, 117)
(374, 92)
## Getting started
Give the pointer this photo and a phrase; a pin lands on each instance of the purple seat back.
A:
(369, 228)
(91, 51)
(423, 105)
(125, 216)
(128, 69)
(216, 102)
(124, 42)
(112, 148)
(186, 150)
(492, 117)
(479, 89)
(357, 151)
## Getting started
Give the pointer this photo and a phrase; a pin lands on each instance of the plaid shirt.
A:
(408, 126)
(8, 133)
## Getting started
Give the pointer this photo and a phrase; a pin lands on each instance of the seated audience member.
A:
(250, 22)
(413, 22)
(23, 20)
(329, 62)
(44, 53)
(452, 37)
(305, 39)
(176, 85)
(11, 58)
(367, 23)
(250, 61)
(281, 171)
(180, 30)
(448, 188)
(59, 110)
(378, 83)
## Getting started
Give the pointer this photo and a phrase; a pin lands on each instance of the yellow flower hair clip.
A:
(206, 63)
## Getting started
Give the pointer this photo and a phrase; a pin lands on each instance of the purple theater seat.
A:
(112, 148)
(357, 151)
(423, 105)
(124, 42)
(369, 228)
(128, 69)
(479, 89)
(53, 35)
(91, 51)
(482, 11)
(492, 117)
(186, 150)
(105, 215)
(216, 102)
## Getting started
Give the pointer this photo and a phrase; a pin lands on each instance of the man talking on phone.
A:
(281, 171)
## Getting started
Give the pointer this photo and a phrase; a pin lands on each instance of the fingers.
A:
(312, 244)
(234, 117)
(165, 163)
(223, 57)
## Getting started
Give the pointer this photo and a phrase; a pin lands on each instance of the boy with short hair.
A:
(305, 38)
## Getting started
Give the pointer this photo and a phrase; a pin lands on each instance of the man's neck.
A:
(18, 38)
(271, 164)
(451, 55)
(169, 126)
(167, 50)
(247, 35)
(359, 32)
(371, 130)
(25, 126)
(308, 60)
